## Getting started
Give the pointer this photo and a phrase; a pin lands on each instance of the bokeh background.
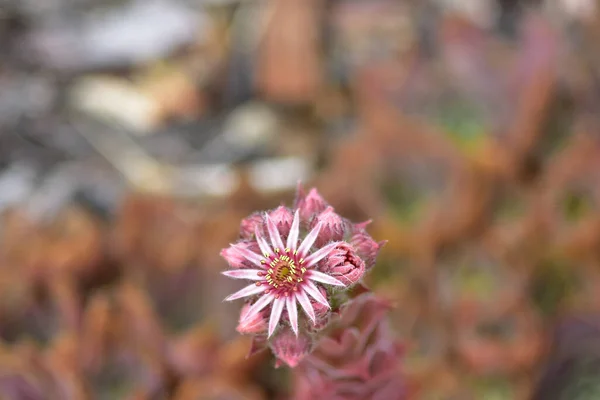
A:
(135, 135)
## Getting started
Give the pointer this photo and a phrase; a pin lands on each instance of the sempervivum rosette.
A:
(356, 359)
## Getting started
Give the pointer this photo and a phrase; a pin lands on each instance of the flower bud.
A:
(344, 264)
(333, 226)
(283, 217)
(235, 257)
(258, 344)
(322, 313)
(255, 324)
(289, 349)
(366, 247)
(309, 204)
(249, 224)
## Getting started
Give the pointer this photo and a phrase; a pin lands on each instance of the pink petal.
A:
(274, 234)
(259, 305)
(292, 313)
(248, 255)
(305, 303)
(319, 255)
(309, 240)
(314, 292)
(251, 274)
(323, 278)
(247, 291)
(262, 243)
(275, 314)
(292, 240)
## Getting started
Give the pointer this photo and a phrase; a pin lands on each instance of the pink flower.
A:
(284, 273)
(344, 264)
(296, 257)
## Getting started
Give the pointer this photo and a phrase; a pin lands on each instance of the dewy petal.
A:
(247, 291)
(275, 314)
(274, 233)
(262, 243)
(292, 240)
(251, 274)
(323, 278)
(309, 240)
(314, 292)
(319, 255)
(259, 305)
(248, 255)
(305, 303)
(292, 311)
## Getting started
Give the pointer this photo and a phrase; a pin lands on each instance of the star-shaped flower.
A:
(284, 272)
(295, 256)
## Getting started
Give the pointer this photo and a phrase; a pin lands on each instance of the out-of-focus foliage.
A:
(135, 135)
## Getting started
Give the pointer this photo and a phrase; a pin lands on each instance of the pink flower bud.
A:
(283, 217)
(258, 344)
(255, 324)
(344, 264)
(322, 313)
(235, 256)
(333, 227)
(289, 349)
(366, 247)
(309, 204)
(249, 224)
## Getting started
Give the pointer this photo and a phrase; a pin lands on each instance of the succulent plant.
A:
(311, 255)
(357, 357)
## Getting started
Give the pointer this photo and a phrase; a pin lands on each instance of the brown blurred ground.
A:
(135, 135)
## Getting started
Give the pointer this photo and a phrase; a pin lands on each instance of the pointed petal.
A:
(323, 278)
(261, 303)
(305, 303)
(275, 314)
(248, 255)
(251, 274)
(292, 240)
(274, 233)
(262, 243)
(292, 311)
(309, 240)
(319, 255)
(247, 291)
(316, 294)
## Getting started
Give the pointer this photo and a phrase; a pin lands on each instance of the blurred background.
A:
(135, 135)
